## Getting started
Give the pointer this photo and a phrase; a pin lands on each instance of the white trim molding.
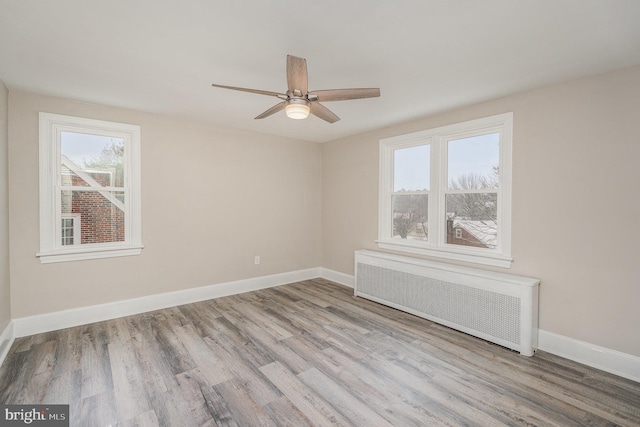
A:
(6, 341)
(612, 361)
(96, 313)
(336, 276)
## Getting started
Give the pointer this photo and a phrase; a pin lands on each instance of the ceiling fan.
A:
(298, 102)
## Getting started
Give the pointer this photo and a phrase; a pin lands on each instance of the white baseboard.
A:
(336, 276)
(84, 315)
(612, 361)
(6, 340)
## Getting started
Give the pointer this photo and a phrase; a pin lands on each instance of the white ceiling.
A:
(425, 55)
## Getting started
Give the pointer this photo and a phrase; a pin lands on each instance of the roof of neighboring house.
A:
(485, 231)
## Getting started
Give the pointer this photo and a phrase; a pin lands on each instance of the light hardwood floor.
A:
(307, 353)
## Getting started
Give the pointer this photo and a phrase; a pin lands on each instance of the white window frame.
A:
(436, 245)
(51, 249)
(458, 233)
(77, 229)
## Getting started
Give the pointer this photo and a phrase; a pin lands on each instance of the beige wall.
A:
(576, 201)
(212, 199)
(5, 291)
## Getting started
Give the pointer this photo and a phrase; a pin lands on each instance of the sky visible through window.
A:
(477, 155)
(473, 155)
(411, 168)
(81, 148)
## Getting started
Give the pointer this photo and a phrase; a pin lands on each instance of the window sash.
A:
(114, 205)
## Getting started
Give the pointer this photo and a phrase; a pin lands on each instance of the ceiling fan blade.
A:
(272, 110)
(344, 94)
(323, 112)
(297, 75)
(244, 89)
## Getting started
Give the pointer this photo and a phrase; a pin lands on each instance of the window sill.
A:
(491, 259)
(85, 254)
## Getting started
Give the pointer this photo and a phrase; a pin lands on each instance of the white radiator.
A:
(497, 307)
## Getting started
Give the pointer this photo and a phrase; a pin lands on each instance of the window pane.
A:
(69, 178)
(410, 216)
(101, 214)
(92, 160)
(411, 168)
(67, 231)
(473, 162)
(472, 219)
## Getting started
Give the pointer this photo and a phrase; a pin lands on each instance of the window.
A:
(89, 189)
(458, 233)
(70, 231)
(446, 192)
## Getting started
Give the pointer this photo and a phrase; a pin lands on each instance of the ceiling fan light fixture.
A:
(297, 109)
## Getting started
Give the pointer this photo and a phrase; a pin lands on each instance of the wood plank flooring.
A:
(307, 353)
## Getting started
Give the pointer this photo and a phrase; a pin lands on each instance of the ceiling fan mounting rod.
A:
(296, 94)
(298, 100)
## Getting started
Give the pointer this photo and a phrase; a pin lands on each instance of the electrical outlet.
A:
(256, 260)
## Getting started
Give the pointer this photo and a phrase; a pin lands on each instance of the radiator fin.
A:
(488, 312)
